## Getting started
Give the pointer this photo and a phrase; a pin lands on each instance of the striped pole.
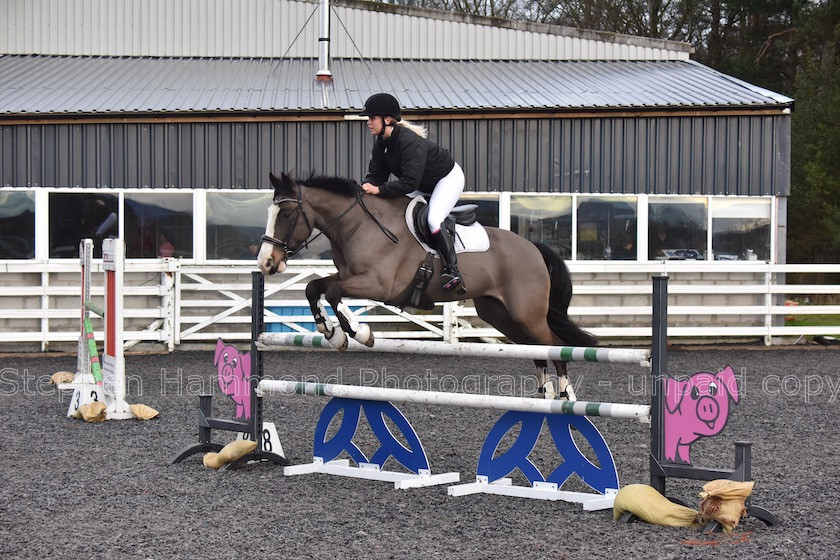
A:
(98, 309)
(269, 341)
(93, 353)
(544, 406)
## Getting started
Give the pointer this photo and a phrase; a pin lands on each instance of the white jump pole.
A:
(113, 360)
(496, 402)
(275, 341)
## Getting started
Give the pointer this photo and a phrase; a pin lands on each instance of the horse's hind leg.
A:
(494, 312)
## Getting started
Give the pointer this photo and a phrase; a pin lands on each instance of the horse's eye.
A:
(285, 214)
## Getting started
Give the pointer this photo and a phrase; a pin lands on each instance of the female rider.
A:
(421, 167)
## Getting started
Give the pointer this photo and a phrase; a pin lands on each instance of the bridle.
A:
(284, 244)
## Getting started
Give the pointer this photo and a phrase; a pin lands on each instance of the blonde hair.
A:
(418, 129)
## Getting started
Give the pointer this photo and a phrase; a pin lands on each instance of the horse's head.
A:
(288, 226)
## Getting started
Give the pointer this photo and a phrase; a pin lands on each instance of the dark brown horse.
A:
(521, 288)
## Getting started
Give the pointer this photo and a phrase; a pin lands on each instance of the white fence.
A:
(169, 303)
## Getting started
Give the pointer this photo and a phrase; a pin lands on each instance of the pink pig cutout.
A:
(234, 368)
(696, 407)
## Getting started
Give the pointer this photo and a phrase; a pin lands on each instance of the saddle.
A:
(414, 295)
(463, 215)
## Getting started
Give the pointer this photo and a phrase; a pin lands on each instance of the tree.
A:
(814, 204)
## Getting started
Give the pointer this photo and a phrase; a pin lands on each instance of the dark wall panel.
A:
(690, 155)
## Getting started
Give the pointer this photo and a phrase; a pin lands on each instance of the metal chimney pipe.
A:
(324, 74)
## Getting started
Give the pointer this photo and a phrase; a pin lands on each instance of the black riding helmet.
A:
(382, 105)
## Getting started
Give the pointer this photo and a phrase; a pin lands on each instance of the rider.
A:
(421, 167)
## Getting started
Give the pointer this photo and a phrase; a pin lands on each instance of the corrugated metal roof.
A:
(39, 85)
(280, 28)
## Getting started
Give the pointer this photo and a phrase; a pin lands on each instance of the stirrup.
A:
(451, 282)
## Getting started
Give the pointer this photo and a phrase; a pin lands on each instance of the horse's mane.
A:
(337, 185)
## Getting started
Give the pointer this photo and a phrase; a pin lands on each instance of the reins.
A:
(284, 243)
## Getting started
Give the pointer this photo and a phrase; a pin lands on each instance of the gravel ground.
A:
(69, 489)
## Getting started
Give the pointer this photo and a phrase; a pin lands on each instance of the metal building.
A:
(210, 96)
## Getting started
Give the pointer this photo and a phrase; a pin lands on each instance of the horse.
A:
(521, 288)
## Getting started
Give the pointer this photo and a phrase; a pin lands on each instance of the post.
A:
(257, 327)
(658, 371)
(83, 366)
(113, 359)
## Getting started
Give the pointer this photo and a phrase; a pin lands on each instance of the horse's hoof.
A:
(364, 335)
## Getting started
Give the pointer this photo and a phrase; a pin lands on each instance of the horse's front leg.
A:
(314, 290)
(346, 318)
(361, 286)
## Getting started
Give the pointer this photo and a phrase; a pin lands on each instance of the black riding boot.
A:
(445, 245)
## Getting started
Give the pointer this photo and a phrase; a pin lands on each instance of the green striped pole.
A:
(269, 341)
(93, 353)
(99, 310)
(497, 402)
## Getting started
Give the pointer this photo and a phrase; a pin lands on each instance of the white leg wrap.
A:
(326, 327)
(361, 331)
(548, 389)
(564, 385)
(348, 315)
(364, 335)
(338, 339)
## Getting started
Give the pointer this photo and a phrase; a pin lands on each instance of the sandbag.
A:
(723, 501)
(62, 377)
(92, 412)
(229, 453)
(143, 412)
(649, 505)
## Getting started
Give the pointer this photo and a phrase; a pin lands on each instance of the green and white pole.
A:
(275, 341)
(468, 400)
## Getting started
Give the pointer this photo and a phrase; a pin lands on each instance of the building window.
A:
(488, 207)
(158, 225)
(677, 228)
(606, 228)
(741, 229)
(544, 219)
(77, 216)
(17, 225)
(235, 222)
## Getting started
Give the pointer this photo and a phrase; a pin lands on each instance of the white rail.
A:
(469, 400)
(269, 341)
(172, 302)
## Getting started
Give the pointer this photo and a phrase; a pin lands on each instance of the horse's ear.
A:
(282, 186)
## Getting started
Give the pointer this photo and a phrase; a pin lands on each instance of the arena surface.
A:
(69, 489)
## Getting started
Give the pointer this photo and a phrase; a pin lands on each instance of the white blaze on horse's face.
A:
(271, 259)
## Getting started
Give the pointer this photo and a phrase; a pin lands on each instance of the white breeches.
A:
(444, 198)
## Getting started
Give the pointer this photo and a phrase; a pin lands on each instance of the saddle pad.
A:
(468, 239)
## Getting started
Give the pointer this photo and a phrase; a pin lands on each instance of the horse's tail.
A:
(560, 295)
